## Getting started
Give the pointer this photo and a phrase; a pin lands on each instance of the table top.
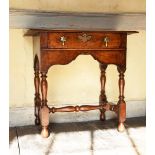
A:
(34, 32)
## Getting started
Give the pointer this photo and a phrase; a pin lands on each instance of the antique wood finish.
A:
(85, 40)
(53, 47)
(105, 107)
(44, 117)
(62, 57)
(121, 102)
(44, 112)
(102, 98)
(44, 88)
(37, 100)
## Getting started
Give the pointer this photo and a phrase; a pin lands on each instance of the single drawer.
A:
(85, 40)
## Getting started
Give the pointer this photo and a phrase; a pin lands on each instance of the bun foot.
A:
(37, 121)
(44, 132)
(121, 127)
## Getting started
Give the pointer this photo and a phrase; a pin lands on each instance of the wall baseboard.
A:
(22, 116)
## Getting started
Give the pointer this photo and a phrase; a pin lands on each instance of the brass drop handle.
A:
(63, 40)
(106, 40)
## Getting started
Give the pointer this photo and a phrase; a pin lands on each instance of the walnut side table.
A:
(53, 47)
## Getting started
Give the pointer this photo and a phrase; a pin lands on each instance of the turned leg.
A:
(44, 111)
(37, 100)
(121, 102)
(102, 98)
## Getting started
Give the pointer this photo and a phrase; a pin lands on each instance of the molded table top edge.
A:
(35, 32)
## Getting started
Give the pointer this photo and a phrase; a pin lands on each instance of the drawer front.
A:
(85, 40)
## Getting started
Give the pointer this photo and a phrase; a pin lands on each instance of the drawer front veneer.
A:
(85, 40)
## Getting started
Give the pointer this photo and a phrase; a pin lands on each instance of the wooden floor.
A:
(85, 138)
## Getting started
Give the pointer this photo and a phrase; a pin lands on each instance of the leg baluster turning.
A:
(121, 102)
(102, 98)
(44, 111)
(37, 100)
